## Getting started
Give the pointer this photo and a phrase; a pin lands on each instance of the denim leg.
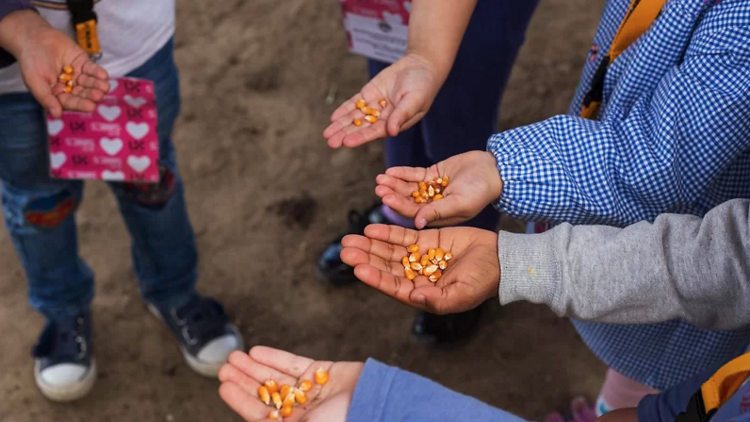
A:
(465, 112)
(164, 251)
(40, 212)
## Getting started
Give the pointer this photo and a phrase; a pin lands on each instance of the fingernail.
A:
(421, 299)
(421, 223)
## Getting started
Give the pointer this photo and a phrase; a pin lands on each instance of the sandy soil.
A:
(257, 73)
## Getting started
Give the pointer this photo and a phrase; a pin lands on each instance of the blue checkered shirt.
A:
(673, 135)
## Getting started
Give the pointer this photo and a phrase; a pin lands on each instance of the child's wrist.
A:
(19, 28)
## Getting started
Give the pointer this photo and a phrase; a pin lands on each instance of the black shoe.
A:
(442, 330)
(329, 266)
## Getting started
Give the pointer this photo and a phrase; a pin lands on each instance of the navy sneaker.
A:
(64, 367)
(204, 332)
(329, 267)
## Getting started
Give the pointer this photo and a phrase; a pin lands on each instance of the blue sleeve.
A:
(662, 154)
(388, 394)
(6, 8)
(665, 406)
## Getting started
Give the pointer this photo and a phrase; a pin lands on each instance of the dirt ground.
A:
(255, 76)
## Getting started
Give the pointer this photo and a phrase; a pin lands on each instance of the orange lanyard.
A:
(641, 14)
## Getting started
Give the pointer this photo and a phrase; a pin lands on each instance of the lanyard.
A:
(716, 391)
(641, 14)
(83, 19)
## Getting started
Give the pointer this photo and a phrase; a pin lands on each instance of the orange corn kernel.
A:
(357, 122)
(443, 265)
(422, 186)
(409, 273)
(276, 398)
(415, 194)
(431, 254)
(366, 110)
(413, 248)
(448, 256)
(445, 181)
(272, 386)
(289, 400)
(405, 261)
(430, 270)
(264, 395)
(436, 276)
(439, 254)
(431, 191)
(285, 390)
(371, 119)
(65, 77)
(361, 103)
(437, 197)
(68, 69)
(69, 83)
(375, 113)
(416, 266)
(306, 385)
(286, 411)
(383, 103)
(273, 415)
(68, 89)
(321, 376)
(420, 200)
(414, 257)
(300, 396)
(425, 260)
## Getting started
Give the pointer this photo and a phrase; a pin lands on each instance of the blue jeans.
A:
(465, 112)
(40, 212)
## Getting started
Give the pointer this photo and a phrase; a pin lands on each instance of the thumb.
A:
(437, 211)
(406, 109)
(42, 92)
(431, 298)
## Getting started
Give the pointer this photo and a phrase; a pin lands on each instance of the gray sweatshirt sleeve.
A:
(680, 266)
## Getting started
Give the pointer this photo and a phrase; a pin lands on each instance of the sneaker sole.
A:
(67, 393)
(206, 369)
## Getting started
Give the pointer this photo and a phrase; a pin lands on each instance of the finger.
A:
(88, 93)
(281, 360)
(392, 234)
(91, 82)
(398, 184)
(396, 287)
(94, 70)
(438, 213)
(404, 111)
(75, 103)
(402, 205)
(258, 371)
(366, 133)
(346, 108)
(355, 256)
(230, 373)
(412, 174)
(247, 406)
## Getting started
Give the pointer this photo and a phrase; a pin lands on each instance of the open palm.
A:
(41, 61)
(244, 372)
(472, 276)
(409, 87)
(474, 184)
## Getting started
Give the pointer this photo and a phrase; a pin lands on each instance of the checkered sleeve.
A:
(658, 155)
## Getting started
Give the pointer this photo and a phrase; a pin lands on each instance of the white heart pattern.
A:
(113, 175)
(139, 164)
(109, 113)
(112, 85)
(393, 18)
(54, 126)
(57, 159)
(134, 101)
(407, 6)
(137, 130)
(111, 146)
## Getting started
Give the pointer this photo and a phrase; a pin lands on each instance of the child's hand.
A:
(244, 372)
(409, 86)
(474, 183)
(472, 276)
(42, 51)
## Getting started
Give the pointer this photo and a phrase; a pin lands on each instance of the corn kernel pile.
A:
(66, 77)
(430, 191)
(371, 115)
(431, 265)
(285, 397)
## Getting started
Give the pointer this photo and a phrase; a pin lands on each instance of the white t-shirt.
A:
(130, 32)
